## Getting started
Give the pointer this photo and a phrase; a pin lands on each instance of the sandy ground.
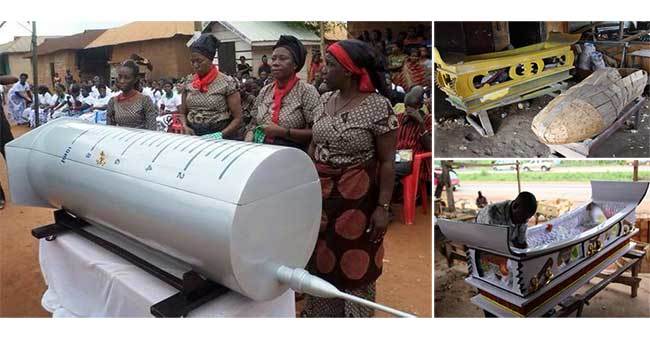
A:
(513, 138)
(405, 284)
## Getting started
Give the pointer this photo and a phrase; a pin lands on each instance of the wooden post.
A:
(518, 179)
(621, 28)
(35, 73)
(451, 205)
(635, 174)
(322, 39)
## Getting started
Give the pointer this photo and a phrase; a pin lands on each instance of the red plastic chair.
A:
(177, 125)
(410, 189)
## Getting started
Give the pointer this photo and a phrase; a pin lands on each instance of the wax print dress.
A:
(345, 157)
(136, 111)
(208, 112)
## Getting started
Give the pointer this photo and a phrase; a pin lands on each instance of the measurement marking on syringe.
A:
(163, 149)
(150, 136)
(188, 145)
(130, 134)
(223, 150)
(237, 157)
(167, 139)
(136, 133)
(81, 134)
(122, 133)
(193, 157)
(162, 135)
(233, 151)
(183, 142)
(130, 145)
(218, 145)
(101, 139)
(207, 142)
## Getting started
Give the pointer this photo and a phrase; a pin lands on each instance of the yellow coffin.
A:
(521, 70)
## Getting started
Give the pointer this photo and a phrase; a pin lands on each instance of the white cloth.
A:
(171, 104)
(84, 280)
(100, 102)
(90, 100)
(95, 92)
(16, 104)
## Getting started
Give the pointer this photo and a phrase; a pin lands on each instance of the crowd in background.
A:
(361, 115)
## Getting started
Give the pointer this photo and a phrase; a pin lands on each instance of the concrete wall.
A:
(355, 28)
(253, 54)
(62, 60)
(18, 64)
(170, 57)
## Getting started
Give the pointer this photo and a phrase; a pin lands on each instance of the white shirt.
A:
(86, 100)
(18, 87)
(171, 104)
(45, 99)
(100, 102)
(95, 92)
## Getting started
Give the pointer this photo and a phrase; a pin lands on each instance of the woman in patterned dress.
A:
(130, 108)
(285, 109)
(353, 147)
(211, 103)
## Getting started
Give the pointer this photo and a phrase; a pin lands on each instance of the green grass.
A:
(485, 176)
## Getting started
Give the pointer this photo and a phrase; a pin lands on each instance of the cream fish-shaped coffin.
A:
(585, 110)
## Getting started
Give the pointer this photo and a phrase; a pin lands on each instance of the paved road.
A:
(578, 169)
(576, 192)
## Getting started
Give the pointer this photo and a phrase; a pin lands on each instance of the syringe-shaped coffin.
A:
(233, 211)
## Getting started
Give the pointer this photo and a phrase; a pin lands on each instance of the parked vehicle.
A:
(537, 165)
(453, 177)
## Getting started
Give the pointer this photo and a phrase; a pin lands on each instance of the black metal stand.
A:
(194, 290)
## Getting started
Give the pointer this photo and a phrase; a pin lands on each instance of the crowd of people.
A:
(347, 115)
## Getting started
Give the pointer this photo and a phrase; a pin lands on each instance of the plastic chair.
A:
(410, 189)
(176, 126)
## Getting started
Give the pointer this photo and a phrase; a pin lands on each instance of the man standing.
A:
(69, 79)
(265, 67)
(513, 214)
(5, 131)
(243, 68)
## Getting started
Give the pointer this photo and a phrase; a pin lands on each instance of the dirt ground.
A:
(405, 283)
(513, 138)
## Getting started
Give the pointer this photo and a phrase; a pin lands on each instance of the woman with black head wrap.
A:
(130, 108)
(211, 102)
(353, 147)
(285, 109)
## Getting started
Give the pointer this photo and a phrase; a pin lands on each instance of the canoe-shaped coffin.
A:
(586, 109)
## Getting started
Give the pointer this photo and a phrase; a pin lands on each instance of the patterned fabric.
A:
(17, 104)
(409, 136)
(413, 73)
(348, 137)
(299, 107)
(344, 254)
(136, 112)
(316, 307)
(208, 112)
(499, 214)
(247, 109)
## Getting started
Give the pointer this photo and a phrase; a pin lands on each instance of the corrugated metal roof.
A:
(21, 44)
(143, 30)
(71, 42)
(264, 33)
